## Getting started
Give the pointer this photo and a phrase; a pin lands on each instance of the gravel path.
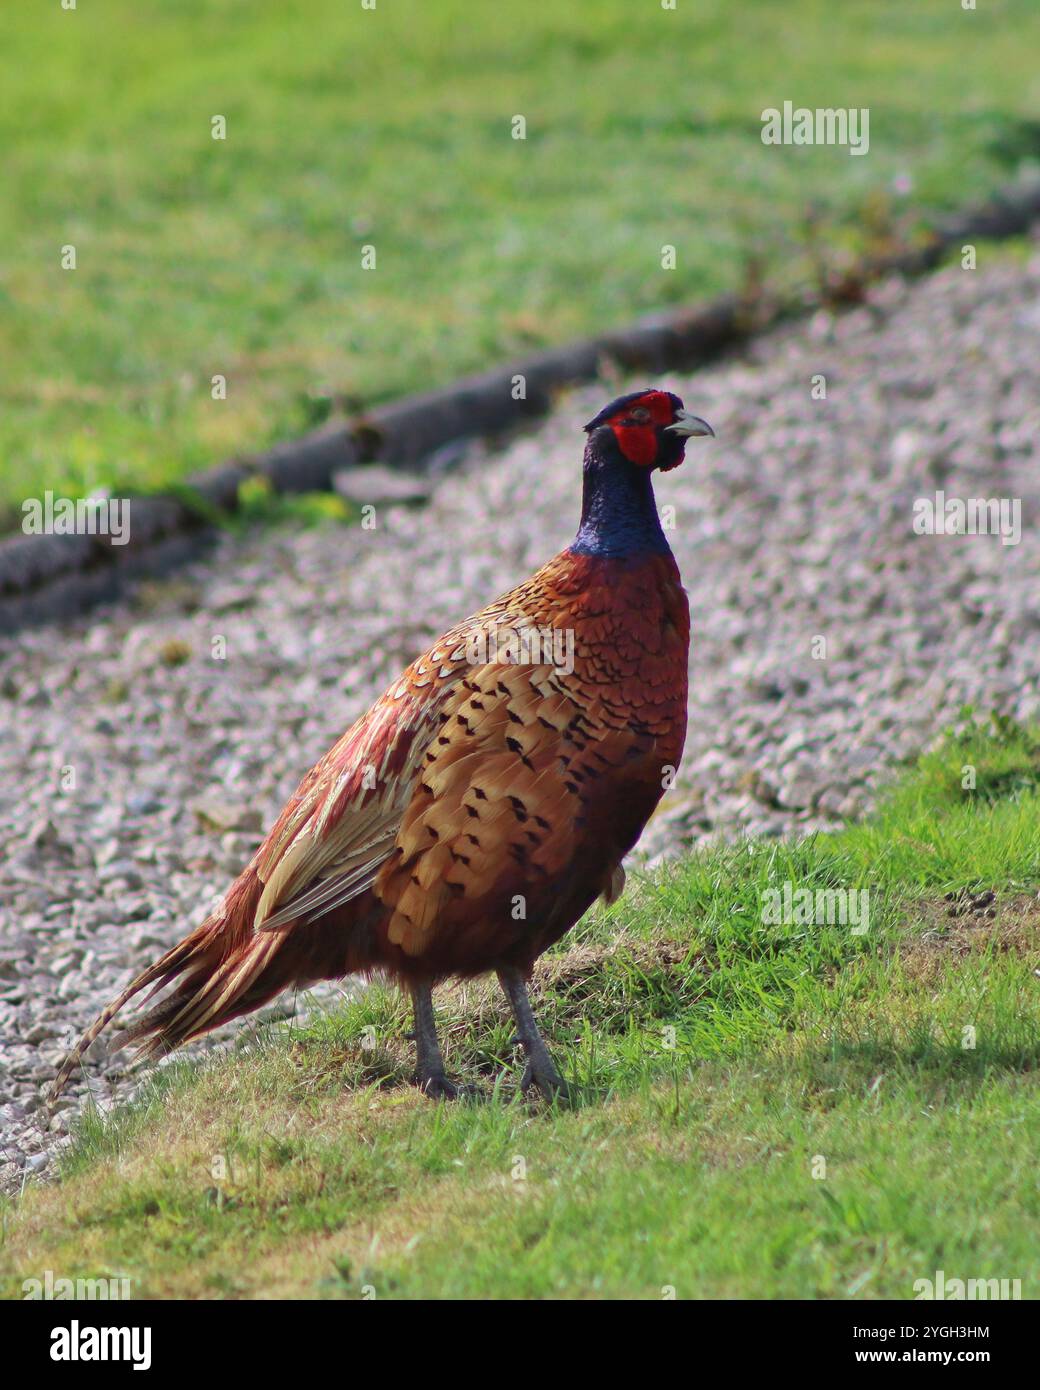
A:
(795, 525)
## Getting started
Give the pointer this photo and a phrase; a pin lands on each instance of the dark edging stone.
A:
(308, 464)
(50, 578)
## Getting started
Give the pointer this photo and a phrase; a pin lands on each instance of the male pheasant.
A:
(469, 819)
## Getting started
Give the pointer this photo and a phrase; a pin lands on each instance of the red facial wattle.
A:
(637, 438)
(638, 443)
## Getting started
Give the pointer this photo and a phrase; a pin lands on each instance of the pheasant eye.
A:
(639, 416)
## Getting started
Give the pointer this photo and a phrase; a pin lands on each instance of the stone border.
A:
(52, 578)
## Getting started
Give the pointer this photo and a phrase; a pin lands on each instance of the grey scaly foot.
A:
(430, 1076)
(547, 1079)
(541, 1069)
(437, 1087)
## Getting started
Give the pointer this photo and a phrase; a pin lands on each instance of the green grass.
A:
(760, 1110)
(392, 127)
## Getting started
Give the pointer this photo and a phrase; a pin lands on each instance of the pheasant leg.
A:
(430, 1076)
(541, 1069)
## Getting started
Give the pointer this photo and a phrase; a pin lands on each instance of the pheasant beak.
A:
(687, 425)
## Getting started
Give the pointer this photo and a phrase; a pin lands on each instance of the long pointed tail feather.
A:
(201, 954)
(158, 974)
(225, 969)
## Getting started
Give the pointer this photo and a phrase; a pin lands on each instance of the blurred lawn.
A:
(393, 127)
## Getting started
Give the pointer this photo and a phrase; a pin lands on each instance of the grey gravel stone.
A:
(375, 485)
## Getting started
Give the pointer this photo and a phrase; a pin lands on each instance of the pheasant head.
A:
(628, 439)
(650, 428)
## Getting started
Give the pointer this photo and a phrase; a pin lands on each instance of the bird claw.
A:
(550, 1083)
(437, 1086)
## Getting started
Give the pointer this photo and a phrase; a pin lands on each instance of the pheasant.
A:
(483, 803)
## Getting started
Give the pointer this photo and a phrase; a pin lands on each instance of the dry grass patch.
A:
(968, 925)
